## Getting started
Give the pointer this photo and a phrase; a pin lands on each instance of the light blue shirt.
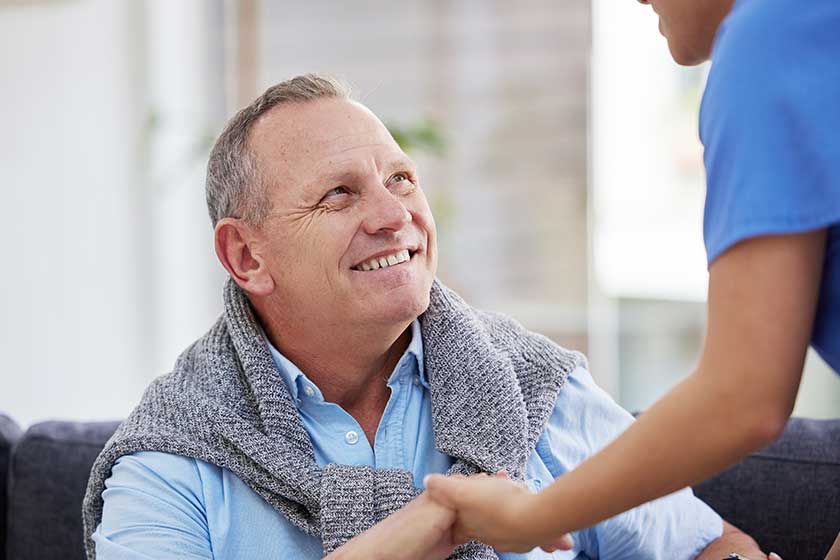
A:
(158, 505)
(770, 126)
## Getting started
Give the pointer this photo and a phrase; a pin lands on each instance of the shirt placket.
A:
(388, 444)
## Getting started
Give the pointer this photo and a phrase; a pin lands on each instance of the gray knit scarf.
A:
(493, 387)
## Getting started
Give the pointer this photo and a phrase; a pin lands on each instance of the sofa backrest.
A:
(9, 434)
(48, 479)
(786, 496)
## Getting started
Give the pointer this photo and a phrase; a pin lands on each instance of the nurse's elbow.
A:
(767, 427)
(759, 416)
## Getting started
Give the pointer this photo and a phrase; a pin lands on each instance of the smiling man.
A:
(342, 373)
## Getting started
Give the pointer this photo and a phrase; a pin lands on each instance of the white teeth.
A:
(386, 261)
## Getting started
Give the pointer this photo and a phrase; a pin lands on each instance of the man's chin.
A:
(398, 307)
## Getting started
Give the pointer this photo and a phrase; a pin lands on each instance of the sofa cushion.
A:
(786, 496)
(9, 434)
(49, 473)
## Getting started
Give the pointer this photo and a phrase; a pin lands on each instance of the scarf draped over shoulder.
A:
(493, 387)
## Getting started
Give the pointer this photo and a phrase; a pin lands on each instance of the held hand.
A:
(494, 510)
(422, 530)
(736, 556)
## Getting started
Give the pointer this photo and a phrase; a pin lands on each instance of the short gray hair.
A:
(235, 186)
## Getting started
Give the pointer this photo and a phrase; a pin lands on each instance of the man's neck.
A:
(348, 372)
(350, 367)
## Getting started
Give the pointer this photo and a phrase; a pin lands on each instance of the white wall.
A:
(647, 169)
(186, 94)
(85, 227)
(69, 336)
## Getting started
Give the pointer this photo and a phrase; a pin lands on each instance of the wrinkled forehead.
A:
(300, 141)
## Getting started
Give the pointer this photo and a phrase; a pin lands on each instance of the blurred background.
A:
(557, 143)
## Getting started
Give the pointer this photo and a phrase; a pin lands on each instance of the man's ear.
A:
(233, 240)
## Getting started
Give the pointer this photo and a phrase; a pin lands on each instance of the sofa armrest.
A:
(787, 496)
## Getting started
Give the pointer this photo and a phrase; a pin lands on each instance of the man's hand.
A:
(422, 530)
(496, 511)
(734, 540)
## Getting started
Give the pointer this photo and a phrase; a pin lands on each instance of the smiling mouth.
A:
(385, 261)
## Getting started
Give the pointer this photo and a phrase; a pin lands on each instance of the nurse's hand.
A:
(496, 511)
(422, 530)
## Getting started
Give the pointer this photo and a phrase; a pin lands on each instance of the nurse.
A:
(770, 126)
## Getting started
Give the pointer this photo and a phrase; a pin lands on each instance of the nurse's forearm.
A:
(696, 430)
(762, 301)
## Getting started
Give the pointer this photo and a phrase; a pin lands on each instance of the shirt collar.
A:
(415, 348)
(296, 380)
(291, 375)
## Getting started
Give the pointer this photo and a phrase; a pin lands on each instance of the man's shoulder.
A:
(158, 468)
(144, 484)
(509, 333)
(535, 358)
(157, 460)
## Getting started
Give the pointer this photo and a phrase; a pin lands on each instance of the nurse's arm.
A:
(762, 299)
(763, 296)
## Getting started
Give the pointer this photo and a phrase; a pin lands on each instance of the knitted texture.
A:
(493, 388)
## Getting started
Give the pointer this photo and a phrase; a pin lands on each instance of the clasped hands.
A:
(453, 510)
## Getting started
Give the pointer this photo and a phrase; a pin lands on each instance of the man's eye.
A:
(398, 177)
(336, 191)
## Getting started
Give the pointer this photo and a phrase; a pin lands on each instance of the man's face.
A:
(690, 26)
(350, 239)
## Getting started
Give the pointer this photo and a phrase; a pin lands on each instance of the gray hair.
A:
(234, 186)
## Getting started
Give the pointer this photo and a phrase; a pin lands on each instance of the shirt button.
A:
(308, 391)
(416, 381)
(351, 437)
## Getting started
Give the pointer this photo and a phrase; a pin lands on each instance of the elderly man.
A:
(341, 374)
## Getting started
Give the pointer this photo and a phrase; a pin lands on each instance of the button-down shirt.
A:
(158, 505)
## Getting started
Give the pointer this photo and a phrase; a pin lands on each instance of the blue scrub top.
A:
(770, 125)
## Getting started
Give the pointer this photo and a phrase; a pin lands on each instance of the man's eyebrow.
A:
(336, 176)
(400, 162)
(330, 179)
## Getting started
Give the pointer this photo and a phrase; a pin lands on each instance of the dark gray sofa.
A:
(787, 496)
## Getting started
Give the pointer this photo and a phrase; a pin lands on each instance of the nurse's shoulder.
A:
(769, 39)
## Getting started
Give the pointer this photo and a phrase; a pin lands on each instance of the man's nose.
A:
(384, 211)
